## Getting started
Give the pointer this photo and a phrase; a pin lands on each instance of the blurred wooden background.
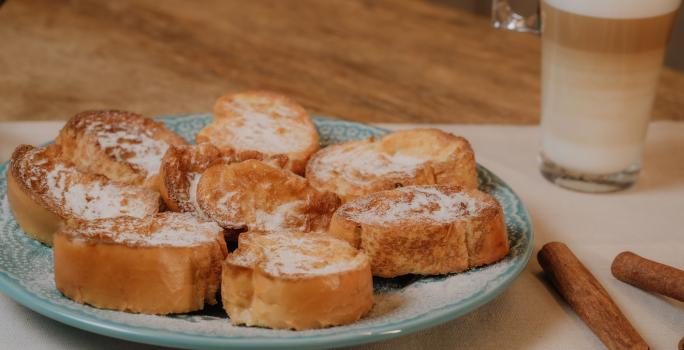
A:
(675, 51)
(372, 61)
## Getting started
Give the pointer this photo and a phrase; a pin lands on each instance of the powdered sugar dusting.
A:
(5, 209)
(263, 104)
(172, 229)
(289, 253)
(363, 162)
(414, 203)
(391, 306)
(257, 131)
(229, 208)
(289, 215)
(82, 196)
(246, 258)
(299, 259)
(283, 216)
(97, 198)
(30, 265)
(134, 145)
(192, 194)
(432, 294)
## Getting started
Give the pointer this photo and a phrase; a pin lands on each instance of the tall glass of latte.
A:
(600, 65)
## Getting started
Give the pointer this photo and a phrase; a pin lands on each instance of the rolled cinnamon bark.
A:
(588, 298)
(649, 275)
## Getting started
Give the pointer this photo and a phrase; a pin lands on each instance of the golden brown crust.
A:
(424, 229)
(403, 158)
(266, 283)
(260, 100)
(34, 219)
(22, 170)
(45, 191)
(487, 238)
(182, 165)
(259, 196)
(124, 146)
(264, 122)
(111, 264)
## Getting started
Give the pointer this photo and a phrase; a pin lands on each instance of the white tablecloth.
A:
(647, 219)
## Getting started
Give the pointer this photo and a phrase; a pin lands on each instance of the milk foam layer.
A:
(616, 8)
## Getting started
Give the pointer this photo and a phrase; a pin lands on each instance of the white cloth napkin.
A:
(647, 219)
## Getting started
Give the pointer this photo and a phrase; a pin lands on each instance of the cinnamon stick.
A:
(588, 298)
(649, 275)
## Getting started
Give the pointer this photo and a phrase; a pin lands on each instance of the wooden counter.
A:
(373, 61)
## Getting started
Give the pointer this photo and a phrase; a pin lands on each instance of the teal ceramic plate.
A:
(403, 305)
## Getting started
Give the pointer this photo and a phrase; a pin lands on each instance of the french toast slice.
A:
(168, 263)
(254, 195)
(298, 281)
(182, 166)
(425, 230)
(412, 157)
(264, 122)
(45, 191)
(124, 146)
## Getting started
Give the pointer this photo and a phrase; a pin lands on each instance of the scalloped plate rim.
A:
(14, 288)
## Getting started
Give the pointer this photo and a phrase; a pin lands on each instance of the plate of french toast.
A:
(256, 225)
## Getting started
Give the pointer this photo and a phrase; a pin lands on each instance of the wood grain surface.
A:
(372, 61)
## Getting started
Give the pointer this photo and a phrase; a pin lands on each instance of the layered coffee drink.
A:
(600, 65)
